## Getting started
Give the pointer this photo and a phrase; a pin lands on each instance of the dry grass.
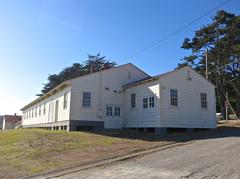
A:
(29, 151)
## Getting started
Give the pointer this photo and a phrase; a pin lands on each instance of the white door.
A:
(56, 110)
(50, 112)
(113, 117)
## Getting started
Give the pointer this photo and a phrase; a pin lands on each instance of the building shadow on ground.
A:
(173, 135)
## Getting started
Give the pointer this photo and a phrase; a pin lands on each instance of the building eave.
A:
(136, 83)
(48, 94)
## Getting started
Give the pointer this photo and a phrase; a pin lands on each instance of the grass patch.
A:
(30, 151)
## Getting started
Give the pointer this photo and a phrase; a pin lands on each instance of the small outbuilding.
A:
(11, 121)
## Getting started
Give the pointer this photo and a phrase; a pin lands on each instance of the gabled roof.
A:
(136, 83)
(116, 67)
(12, 118)
(68, 83)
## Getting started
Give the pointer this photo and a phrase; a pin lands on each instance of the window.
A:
(32, 113)
(40, 110)
(151, 102)
(65, 100)
(117, 111)
(129, 75)
(145, 103)
(174, 97)
(36, 112)
(133, 100)
(109, 111)
(203, 97)
(44, 108)
(86, 101)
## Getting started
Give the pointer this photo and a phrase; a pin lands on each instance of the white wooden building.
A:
(126, 97)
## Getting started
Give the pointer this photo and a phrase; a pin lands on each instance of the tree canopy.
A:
(221, 40)
(94, 63)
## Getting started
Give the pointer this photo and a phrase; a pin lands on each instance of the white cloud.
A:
(10, 104)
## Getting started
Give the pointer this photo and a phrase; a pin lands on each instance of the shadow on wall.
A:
(173, 136)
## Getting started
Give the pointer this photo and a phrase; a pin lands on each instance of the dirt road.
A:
(214, 157)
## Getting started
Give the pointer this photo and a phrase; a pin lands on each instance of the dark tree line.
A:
(221, 38)
(94, 63)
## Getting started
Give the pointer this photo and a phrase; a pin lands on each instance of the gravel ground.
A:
(213, 157)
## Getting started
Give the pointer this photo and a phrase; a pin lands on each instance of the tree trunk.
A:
(237, 98)
(223, 105)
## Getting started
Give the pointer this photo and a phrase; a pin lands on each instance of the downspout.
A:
(99, 112)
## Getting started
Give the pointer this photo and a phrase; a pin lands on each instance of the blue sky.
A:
(42, 37)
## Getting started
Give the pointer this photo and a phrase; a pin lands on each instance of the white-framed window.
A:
(145, 102)
(109, 111)
(32, 112)
(36, 112)
(86, 101)
(133, 100)
(117, 111)
(44, 108)
(203, 98)
(65, 100)
(40, 110)
(129, 75)
(151, 102)
(173, 97)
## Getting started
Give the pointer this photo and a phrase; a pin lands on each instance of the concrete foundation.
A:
(76, 125)
(61, 125)
(72, 125)
(160, 130)
(189, 129)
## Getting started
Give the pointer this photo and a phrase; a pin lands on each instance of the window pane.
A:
(65, 100)
(173, 97)
(109, 111)
(40, 107)
(44, 109)
(117, 111)
(86, 101)
(151, 102)
(203, 98)
(133, 100)
(145, 102)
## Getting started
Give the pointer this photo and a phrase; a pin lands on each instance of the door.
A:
(50, 112)
(56, 110)
(113, 117)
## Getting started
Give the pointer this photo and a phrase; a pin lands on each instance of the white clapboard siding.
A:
(188, 113)
(106, 89)
(63, 114)
(139, 116)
